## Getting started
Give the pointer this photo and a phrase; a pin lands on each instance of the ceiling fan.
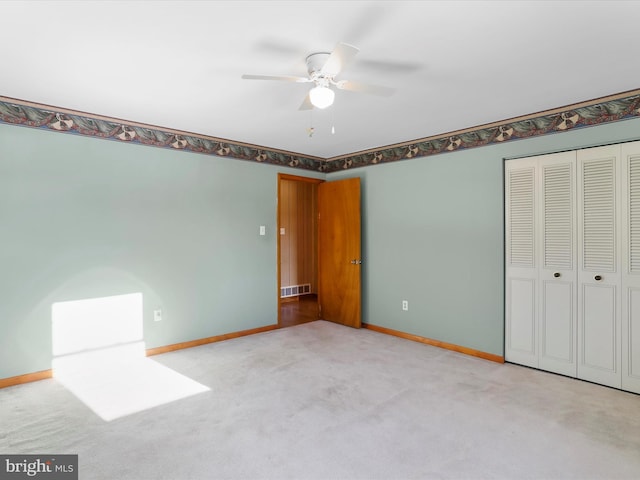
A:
(322, 69)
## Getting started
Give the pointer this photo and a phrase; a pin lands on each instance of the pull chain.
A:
(333, 120)
(311, 130)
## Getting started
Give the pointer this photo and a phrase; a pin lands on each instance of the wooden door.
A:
(339, 255)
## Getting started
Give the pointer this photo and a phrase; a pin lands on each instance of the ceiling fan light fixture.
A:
(321, 97)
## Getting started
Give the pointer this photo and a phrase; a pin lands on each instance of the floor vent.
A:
(295, 290)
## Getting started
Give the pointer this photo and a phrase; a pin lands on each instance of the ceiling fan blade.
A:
(341, 55)
(365, 88)
(391, 66)
(286, 78)
(280, 46)
(306, 104)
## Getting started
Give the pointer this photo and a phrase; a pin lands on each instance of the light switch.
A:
(281, 230)
(263, 229)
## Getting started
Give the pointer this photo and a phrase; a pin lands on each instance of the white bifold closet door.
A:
(521, 283)
(540, 217)
(599, 274)
(630, 156)
(558, 271)
(572, 289)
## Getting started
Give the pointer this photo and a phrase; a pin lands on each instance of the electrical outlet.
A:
(405, 305)
(157, 315)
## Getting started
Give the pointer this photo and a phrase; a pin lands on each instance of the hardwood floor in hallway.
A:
(304, 310)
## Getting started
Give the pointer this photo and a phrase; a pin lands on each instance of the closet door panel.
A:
(630, 154)
(557, 328)
(599, 329)
(522, 313)
(599, 276)
(557, 273)
(521, 263)
(631, 343)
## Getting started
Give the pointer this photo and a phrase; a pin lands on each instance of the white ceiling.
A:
(455, 64)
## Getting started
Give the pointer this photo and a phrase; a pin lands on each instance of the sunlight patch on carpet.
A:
(99, 355)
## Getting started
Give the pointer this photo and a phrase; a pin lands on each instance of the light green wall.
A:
(433, 235)
(85, 218)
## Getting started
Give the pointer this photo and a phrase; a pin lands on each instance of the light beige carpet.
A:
(321, 401)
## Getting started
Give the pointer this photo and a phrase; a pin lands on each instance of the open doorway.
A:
(297, 250)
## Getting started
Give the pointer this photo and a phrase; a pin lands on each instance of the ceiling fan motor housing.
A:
(315, 62)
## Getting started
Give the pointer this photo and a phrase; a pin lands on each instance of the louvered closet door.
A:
(557, 313)
(599, 276)
(631, 268)
(521, 263)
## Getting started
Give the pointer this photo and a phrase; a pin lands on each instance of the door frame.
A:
(294, 178)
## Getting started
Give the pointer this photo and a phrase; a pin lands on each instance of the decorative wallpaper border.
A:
(613, 108)
(609, 109)
(18, 112)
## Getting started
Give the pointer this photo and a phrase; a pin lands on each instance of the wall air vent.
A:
(295, 290)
